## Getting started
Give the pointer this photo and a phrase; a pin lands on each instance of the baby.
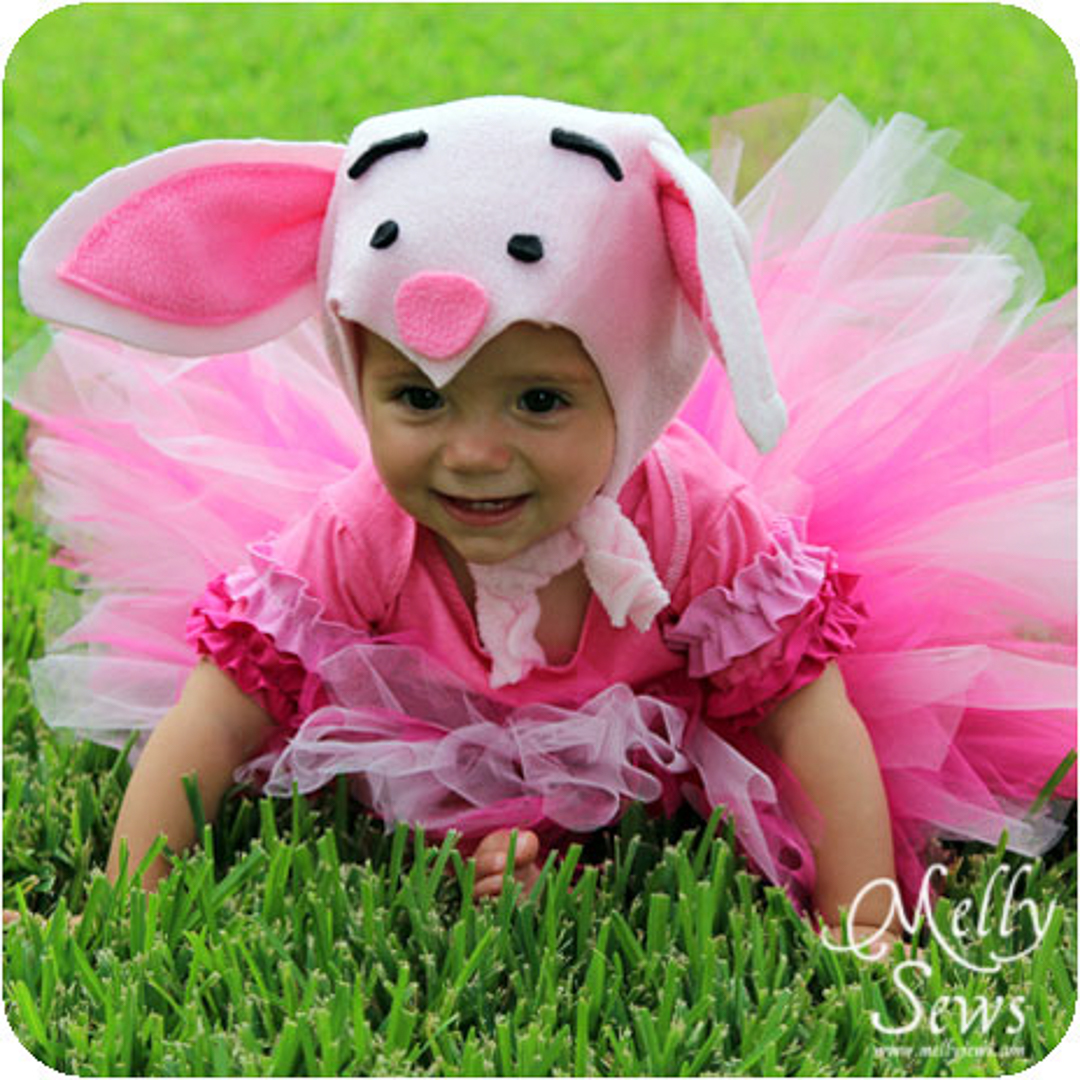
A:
(536, 595)
(504, 457)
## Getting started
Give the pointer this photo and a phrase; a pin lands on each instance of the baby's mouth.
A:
(482, 511)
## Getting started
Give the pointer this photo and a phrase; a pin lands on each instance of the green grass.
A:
(302, 940)
(299, 939)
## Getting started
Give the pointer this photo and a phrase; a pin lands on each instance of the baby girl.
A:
(536, 593)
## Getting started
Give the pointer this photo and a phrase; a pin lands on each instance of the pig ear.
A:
(710, 249)
(204, 248)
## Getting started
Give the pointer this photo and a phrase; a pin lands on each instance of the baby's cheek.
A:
(393, 446)
(586, 460)
(396, 469)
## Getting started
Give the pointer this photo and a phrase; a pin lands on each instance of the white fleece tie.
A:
(617, 565)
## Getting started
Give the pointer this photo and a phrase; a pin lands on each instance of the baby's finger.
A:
(488, 886)
(499, 840)
(492, 862)
(528, 847)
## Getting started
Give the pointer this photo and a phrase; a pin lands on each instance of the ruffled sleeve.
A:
(263, 627)
(770, 627)
(302, 598)
(277, 680)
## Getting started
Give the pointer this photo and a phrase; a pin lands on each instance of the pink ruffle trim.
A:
(279, 682)
(263, 627)
(782, 620)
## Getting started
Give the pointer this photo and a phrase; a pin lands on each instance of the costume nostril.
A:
(385, 234)
(525, 247)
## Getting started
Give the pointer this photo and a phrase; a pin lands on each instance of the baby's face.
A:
(504, 455)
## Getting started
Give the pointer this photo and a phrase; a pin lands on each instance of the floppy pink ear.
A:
(208, 247)
(710, 250)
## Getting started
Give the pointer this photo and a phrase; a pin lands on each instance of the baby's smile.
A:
(483, 512)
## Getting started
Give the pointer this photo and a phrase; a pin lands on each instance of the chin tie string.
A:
(618, 567)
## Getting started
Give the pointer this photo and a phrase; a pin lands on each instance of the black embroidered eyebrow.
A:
(582, 144)
(412, 140)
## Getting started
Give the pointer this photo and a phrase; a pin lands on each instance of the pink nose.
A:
(439, 314)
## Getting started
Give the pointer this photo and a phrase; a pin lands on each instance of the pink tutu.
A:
(932, 446)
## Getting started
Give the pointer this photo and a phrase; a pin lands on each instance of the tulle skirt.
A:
(932, 444)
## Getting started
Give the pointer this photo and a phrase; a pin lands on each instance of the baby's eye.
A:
(420, 398)
(542, 401)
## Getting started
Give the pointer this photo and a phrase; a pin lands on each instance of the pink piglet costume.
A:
(437, 228)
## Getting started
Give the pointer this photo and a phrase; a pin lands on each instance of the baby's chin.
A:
(487, 553)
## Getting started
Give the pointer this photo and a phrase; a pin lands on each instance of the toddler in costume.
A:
(487, 530)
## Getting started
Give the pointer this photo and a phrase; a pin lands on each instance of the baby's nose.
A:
(438, 315)
(475, 447)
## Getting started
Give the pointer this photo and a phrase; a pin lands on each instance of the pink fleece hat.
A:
(457, 220)
(437, 228)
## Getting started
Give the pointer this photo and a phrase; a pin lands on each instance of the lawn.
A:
(300, 940)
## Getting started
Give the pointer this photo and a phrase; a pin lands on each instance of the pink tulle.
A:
(932, 448)
(424, 749)
(155, 474)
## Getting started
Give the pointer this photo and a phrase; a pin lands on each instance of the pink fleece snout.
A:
(438, 315)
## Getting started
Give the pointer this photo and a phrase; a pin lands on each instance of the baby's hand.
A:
(490, 858)
(876, 941)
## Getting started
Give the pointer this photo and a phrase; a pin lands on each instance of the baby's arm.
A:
(821, 738)
(212, 730)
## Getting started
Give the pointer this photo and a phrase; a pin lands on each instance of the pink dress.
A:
(369, 660)
(920, 530)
